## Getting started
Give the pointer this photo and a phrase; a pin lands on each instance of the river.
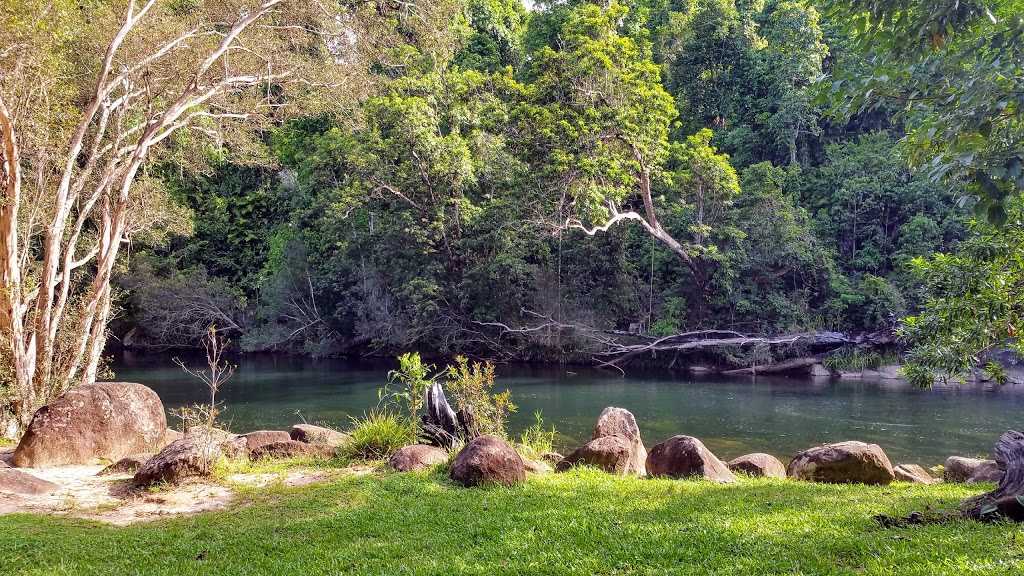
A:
(732, 416)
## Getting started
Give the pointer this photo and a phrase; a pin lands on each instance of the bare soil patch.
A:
(112, 498)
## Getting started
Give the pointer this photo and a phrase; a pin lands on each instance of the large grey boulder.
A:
(843, 462)
(488, 460)
(621, 422)
(687, 457)
(613, 454)
(758, 464)
(14, 481)
(417, 457)
(92, 423)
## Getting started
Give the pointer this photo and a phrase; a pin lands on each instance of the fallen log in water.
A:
(776, 367)
(690, 343)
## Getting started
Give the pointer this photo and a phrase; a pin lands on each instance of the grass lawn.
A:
(582, 522)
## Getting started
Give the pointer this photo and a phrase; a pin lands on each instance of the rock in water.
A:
(620, 422)
(759, 464)
(912, 473)
(417, 457)
(20, 482)
(93, 422)
(843, 462)
(687, 457)
(488, 460)
(613, 454)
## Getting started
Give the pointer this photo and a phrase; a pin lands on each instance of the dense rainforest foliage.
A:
(654, 166)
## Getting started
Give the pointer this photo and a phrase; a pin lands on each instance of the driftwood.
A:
(775, 367)
(442, 426)
(438, 425)
(692, 342)
(615, 348)
(1007, 500)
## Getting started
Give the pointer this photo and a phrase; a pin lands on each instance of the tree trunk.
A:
(776, 367)
(1007, 500)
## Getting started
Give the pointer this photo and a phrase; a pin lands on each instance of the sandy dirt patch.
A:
(112, 498)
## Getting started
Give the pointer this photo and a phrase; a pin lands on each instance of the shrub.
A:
(414, 376)
(470, 386)
(379, 433)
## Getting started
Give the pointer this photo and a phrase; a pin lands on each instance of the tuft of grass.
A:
(7, 443)
(379, 433)
(535, 440)
(850, 359)
(580, 522)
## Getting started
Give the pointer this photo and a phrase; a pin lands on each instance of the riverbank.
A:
(580, 522)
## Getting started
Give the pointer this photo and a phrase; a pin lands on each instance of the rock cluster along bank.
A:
(124, 423)
(616, 447)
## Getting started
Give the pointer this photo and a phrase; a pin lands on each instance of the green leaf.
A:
(987, 509)
(1020, 499)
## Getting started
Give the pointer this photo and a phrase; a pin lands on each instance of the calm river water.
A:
(731, 416)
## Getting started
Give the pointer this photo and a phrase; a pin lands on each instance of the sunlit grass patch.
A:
(580, 522)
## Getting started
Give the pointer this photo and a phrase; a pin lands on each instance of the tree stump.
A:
(438, 425)
(1007, 500)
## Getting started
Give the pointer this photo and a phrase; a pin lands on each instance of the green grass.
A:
(582, 522)
(851, 359)
(380, 433)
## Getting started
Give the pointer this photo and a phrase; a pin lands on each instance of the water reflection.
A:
(732, 416)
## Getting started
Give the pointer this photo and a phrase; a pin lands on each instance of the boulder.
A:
(535, 467)
(687, 457)
(552, 458)
(234, 447)
(293, 449)
(188, 457)
(620, 422)
(318, 435)
(417, 457)
(758, 464)
(260, 438)
(912, 473)
(93, 422)
(209, 433)
(959, 469)
(170, 435)
(4, 464)
(841, 463)
(819, 371)
(127, 465)
(21, 482)
(488, 460)
(612, 454)
(987, 471)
